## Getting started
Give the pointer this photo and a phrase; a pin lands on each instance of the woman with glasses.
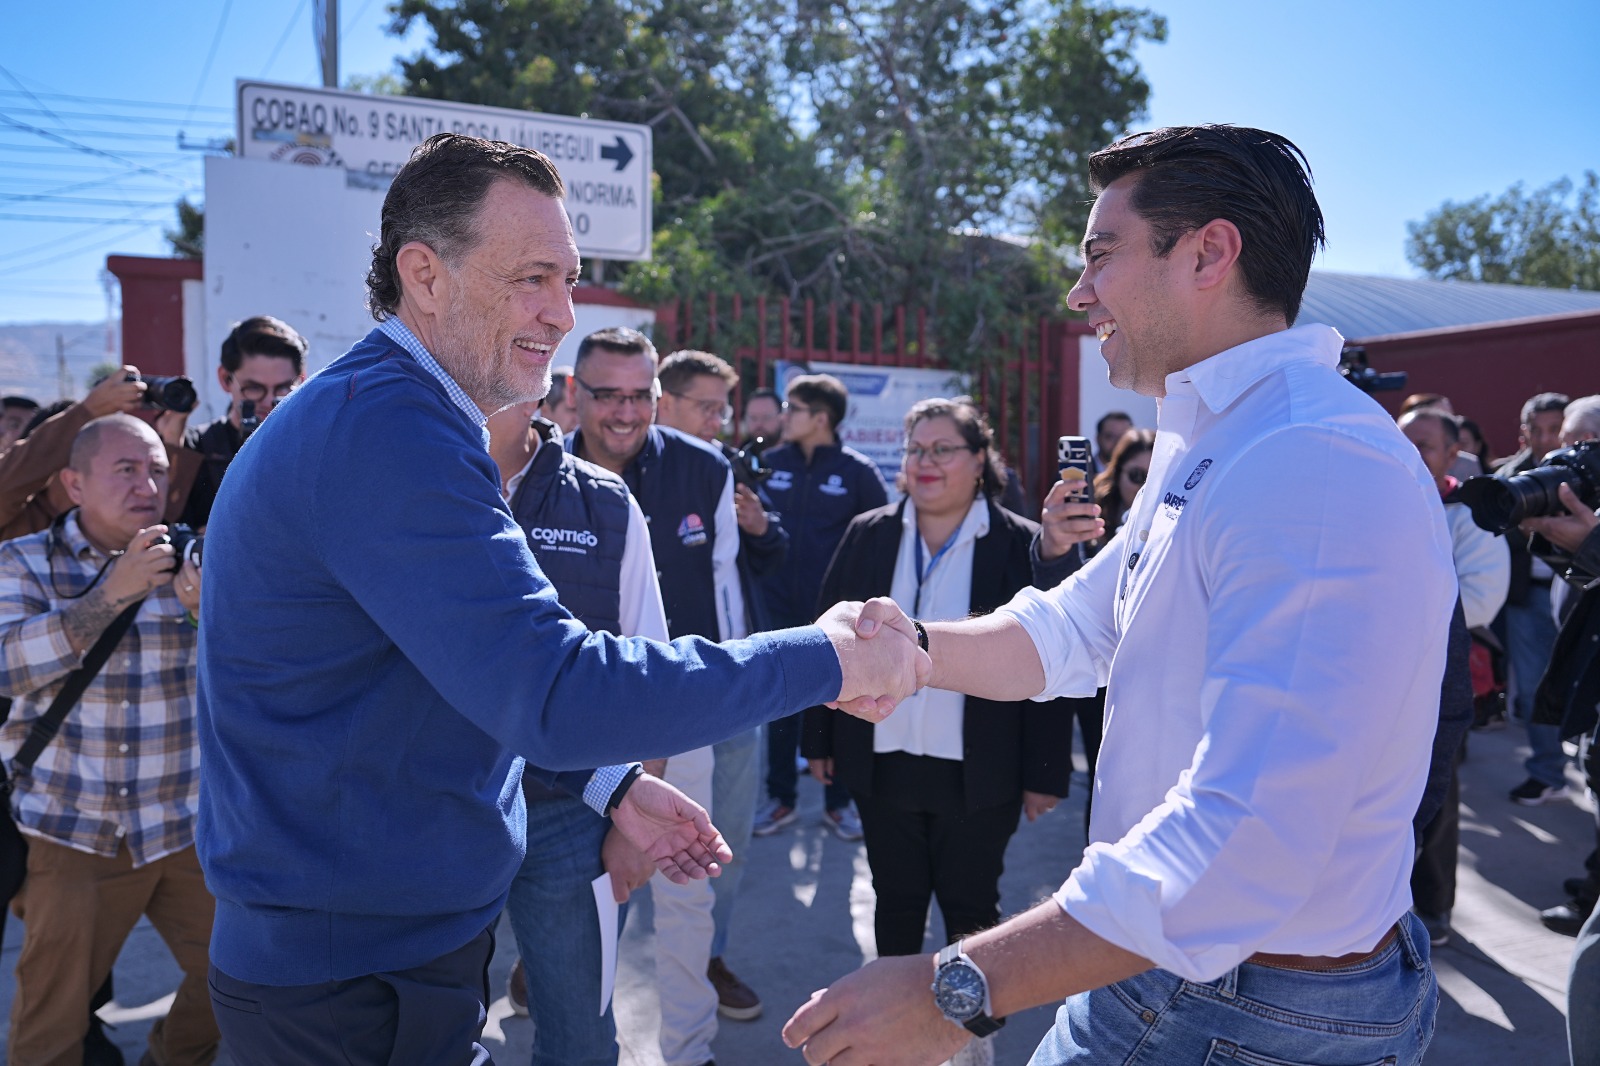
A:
(1117, 485)
(941, 783)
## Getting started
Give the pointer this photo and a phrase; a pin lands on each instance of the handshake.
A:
(878, 654)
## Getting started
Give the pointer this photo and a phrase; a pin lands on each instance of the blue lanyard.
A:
(924, 574)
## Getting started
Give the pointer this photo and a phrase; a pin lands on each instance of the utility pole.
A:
(325, 26)
(63, 379)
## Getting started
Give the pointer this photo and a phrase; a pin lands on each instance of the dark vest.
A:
(678, 483)
(575, 516)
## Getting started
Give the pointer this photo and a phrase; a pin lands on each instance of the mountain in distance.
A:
(29, 364)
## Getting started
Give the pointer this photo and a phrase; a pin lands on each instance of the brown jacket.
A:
(31, 495)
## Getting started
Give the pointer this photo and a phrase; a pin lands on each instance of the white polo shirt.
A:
(1272, 630)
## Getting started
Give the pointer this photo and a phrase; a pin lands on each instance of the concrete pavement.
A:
(805, 916)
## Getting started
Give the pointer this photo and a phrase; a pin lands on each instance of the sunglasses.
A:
(1136, 475)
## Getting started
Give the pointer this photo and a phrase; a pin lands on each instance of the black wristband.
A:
(922, 634)
(634, 773)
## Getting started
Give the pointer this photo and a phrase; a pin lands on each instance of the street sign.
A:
(606, 165)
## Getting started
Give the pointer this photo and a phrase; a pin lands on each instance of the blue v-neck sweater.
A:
(379, 651)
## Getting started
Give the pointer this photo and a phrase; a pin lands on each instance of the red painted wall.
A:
(1488, 371)
(152, 309)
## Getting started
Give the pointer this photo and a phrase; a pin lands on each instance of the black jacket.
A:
(1571, 686)
(1008, 747)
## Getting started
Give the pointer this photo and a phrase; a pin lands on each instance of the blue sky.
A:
(1399, 106)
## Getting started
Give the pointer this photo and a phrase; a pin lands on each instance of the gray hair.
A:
(1582, 414)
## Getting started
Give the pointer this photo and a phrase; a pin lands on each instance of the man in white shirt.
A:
(1272, 635)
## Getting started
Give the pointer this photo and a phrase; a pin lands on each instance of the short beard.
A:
(479, 373)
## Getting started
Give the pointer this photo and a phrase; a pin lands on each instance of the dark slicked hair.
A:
(1191, 175)
(263, 335)
(435, 199)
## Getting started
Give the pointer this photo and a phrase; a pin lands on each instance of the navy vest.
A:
(575, 516)
(678, 482)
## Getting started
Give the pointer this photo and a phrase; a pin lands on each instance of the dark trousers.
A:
(429, 1015)
(783, 780)
(923, 844)
(1433, 877)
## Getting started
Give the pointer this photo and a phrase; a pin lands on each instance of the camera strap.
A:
(48, 724)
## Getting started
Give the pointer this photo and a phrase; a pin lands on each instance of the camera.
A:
(1497, 503)
(168, 393)
(187, 545)
(748, 469)
(1353, 365)
(1075, 461)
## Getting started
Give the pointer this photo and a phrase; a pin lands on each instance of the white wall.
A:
(1096, 394)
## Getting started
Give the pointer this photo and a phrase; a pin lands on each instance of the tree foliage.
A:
(1550, 237)
(928, 152)
(188, 240)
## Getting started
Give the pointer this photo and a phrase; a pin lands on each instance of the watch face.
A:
(959, 992)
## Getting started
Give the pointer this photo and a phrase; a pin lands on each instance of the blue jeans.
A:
(1530, 638)
(558, 934)
(1379, 1012)
(733, 809)
(783, 780)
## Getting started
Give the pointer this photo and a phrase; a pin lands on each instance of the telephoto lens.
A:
(174, 393)
(1497, 504)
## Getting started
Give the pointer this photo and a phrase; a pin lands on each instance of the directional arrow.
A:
(619, 152)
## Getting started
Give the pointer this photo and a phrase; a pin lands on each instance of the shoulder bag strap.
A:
(47, 725)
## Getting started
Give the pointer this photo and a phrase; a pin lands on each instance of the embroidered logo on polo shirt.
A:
(834, 486)
(1199, 472)
(1173, 504)
(692, 531)
(780, 481)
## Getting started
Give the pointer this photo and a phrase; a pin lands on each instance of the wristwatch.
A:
(962, 992)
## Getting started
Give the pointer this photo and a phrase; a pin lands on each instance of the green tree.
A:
(1550, 237)
(188, 241)
(866, 150)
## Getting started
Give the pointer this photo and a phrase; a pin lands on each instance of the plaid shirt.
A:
(126, 763)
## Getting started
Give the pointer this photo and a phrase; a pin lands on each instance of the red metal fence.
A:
(1028, 382)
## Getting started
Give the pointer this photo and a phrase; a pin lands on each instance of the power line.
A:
(216, 39)
(284, 37)
(74, 187)
(125, 135)
(174, 154)
(102, 116)
(45, 199)
(112, 100)
(25, 127)
(71, 219)
(78, 248)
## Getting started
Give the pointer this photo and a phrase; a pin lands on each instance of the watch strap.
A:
(922, 634)
(980, 1024)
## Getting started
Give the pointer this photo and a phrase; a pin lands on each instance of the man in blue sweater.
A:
(382, 651)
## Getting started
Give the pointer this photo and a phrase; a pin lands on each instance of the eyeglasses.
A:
(1135, 475)
(615, 398)
(255, 392)
(939, 453)
(796, 408)
(708, 408)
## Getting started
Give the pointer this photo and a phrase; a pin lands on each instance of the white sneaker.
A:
(845, 823)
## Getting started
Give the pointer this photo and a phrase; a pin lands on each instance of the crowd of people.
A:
(392, 535)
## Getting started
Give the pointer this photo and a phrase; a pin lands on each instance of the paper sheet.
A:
(606, 905)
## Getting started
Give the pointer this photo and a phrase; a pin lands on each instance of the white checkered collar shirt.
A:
(125, 766)
(401, 334)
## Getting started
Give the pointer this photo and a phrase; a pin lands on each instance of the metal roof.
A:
(1364, 305)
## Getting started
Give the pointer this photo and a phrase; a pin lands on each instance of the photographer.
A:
(263, 359)
(108, 805)
(31, 494)
(1567, 701)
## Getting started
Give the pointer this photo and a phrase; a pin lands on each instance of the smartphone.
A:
(1075, 461)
